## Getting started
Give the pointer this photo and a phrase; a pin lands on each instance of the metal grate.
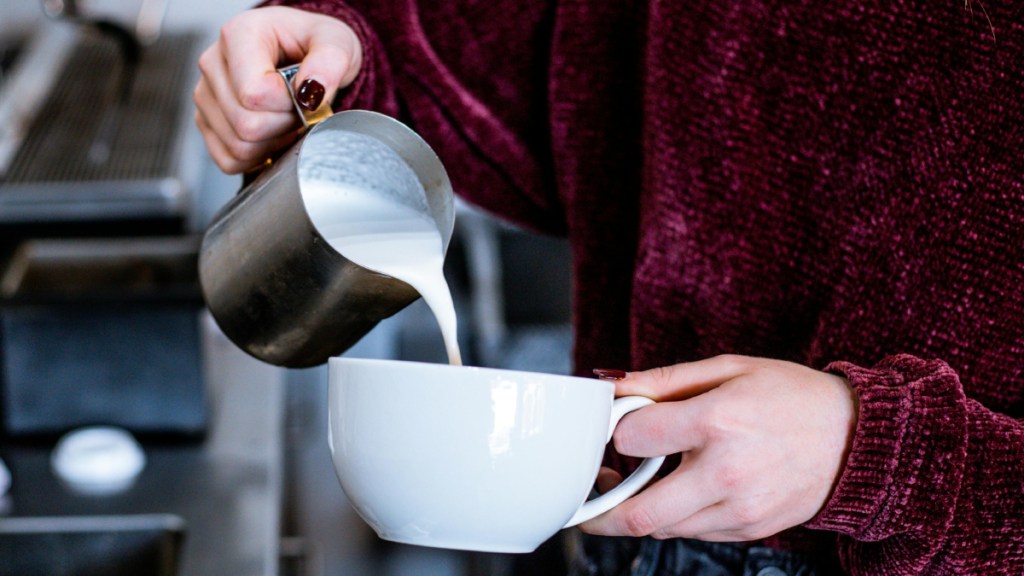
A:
(144, 143)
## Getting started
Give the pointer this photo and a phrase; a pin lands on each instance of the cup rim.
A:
(484, 370)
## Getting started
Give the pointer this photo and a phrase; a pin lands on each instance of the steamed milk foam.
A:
(401, 242)
(370, 207)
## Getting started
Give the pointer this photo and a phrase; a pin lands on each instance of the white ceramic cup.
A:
(473, 458)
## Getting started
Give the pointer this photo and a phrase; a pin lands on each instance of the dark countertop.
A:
(228, 488)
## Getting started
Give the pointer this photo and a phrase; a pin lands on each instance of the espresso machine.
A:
(99, 299)
(94, 118)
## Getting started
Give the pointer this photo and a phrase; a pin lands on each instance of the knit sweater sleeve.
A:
(933, 481)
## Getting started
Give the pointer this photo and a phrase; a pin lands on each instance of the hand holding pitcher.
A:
(241, 110)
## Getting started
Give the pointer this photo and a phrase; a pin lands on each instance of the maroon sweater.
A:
(834, 183)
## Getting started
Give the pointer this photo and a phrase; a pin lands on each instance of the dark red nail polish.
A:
(606, 374)
(310, 94)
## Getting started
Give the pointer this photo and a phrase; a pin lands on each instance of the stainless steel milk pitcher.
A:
(270, 279)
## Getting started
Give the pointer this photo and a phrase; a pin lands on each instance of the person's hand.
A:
(242, 108)
(762, 443)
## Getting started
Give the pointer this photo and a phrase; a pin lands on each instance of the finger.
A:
(260, 110)
(684, 380)
(217, 100)
(658, 506)
(708, 524)
(236, 157)
(252, 46)
(229, 152)
(661, 429)
(327, 49)
(333, 58)
(607, 479)
(216, 148)
(237, 139)
(715, 523)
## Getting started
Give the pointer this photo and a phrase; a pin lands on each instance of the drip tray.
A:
(102, 331)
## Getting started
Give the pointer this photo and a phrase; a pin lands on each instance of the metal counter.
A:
(228, 488)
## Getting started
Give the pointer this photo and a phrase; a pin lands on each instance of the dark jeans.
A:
(602, 556)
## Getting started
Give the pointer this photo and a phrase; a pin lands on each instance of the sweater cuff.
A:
(909, 448)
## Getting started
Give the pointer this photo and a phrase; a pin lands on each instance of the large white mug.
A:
(472, 458)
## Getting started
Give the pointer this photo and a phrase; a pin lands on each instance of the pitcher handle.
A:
(309, 118)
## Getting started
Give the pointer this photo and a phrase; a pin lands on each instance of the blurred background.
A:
(105, 189)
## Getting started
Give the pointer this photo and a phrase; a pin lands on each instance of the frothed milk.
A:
(362, 217)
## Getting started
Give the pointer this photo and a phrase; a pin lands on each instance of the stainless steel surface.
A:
(41, 53)
(145, 25)
(270, 279)
(158, 268)
(227, 489)
(57, 108)
(116, 103)
(150, 20)
(109, 545)
(61, 8)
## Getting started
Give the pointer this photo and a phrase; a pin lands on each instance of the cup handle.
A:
(631, 485)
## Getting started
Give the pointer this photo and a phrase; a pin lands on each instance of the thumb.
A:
(257, 41)
(331, 61)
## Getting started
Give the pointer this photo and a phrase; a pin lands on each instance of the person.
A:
(799, 226)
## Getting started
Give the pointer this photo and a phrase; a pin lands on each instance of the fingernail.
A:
(310, 94)
(606, 374)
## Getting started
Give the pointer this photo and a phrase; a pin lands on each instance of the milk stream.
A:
(385, 236)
